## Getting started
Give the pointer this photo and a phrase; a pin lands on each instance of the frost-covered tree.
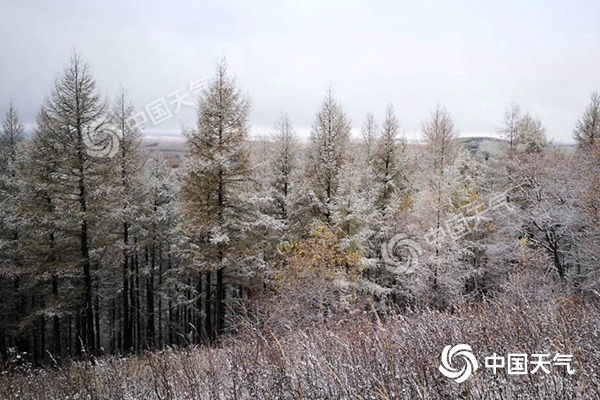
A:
(510, 129)
(327, 152)
(383, 176)
(364, 163)
(284, 164)
(587, 131)
(587, 172)
(583, 185)
(441, 276)
(389, 161)
(213, 187)
(11, 139)
(524, 133)
(42, 246)
(72, 183)
(11, 154)
(441, 152)
(129, 163)
(353, 210)
(545, 201)
(587, 134)
(162, 237)
(369, 132)
(531, 135)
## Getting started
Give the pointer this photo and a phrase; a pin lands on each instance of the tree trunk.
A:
(160, 335)
(126, 308)
(199, 309)
(88, 325)
(150, 302)
(138, 315)
(55, 321)
(208, 327)
(219, 302)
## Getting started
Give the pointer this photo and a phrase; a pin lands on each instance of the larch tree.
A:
(326, 155)
(11, 139)
(510, 129)
(162, 237)
(75, 181)
(442, 151)
(383, 183)
(213, 188)
(587, 135)
(369, 132)
(352, 208)
(368, 144)
(388, 186)
(284, 164)
(12, 148)
(389, 161)
(129, 163)
(43, 245)
(587, 130)
(531, 135)
(545, 198)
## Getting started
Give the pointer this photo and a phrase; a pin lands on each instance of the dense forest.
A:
(122, 253)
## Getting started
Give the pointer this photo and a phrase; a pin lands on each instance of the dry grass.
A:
(359, 359)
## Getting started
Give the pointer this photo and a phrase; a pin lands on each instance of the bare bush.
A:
(355, 359)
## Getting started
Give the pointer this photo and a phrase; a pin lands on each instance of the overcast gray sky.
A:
(474, 57)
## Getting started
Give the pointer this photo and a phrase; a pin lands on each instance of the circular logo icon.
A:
(102, 142)
(470, 362)
(400, 254)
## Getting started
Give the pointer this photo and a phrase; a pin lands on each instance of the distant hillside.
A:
(174, 149)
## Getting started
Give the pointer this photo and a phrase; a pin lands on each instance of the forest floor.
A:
(365, 358)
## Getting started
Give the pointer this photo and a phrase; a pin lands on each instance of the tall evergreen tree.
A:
(442, 150)
(129, 163)
(284, 164)
(163, 237)
(369, 131)
(74, 181)
(213, 188)
(11, 225)
(327, 152)
(389, 162)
